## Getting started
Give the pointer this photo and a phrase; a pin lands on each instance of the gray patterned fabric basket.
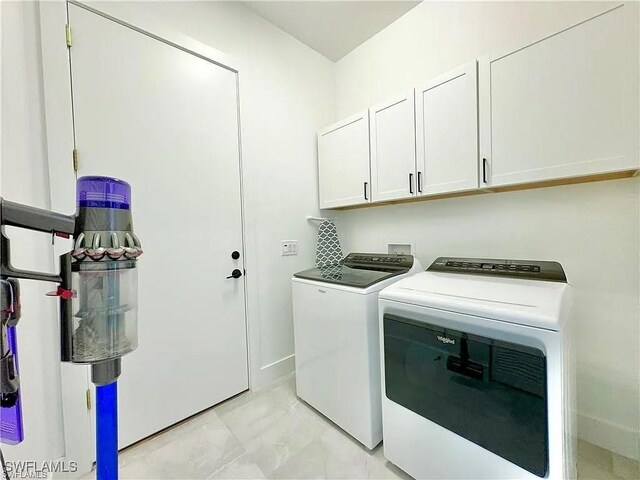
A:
(328, 251)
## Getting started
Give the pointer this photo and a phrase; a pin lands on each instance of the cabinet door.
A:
(563, 106)
(343, 163)
(393, 149)
(447, 132)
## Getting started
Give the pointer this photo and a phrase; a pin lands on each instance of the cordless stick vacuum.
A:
(97, 286)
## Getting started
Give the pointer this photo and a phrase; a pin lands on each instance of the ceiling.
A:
(332, 28)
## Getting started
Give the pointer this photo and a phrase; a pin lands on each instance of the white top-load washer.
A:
(337, 343)
(477, 371)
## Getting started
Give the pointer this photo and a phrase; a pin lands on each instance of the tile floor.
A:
(272, 434)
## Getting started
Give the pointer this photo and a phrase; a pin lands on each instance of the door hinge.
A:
(75, 160)
(88, 395)
(67, 34)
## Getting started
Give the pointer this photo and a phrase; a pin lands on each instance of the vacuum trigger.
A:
(62, 293)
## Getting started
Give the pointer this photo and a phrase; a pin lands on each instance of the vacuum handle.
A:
(31, 218)
(8, 270)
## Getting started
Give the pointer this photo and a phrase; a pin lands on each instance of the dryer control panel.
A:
(529, 269)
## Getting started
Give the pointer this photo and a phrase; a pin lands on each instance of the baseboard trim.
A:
(275, 370)
(616, 438)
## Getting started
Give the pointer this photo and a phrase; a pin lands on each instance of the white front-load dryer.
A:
(477, 377)
(337, 343)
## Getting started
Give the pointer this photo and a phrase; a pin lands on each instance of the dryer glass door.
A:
(490, 392)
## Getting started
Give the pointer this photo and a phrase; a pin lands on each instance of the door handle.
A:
(419, 182)
(365, 190)
(235, 274)
(411, 183)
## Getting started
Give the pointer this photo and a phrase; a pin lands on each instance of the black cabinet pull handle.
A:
(411, 183)
(365, 190)
(484, 170)
(235, 274)
(419, 182)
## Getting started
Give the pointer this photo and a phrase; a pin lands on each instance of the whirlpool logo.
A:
(446, 339)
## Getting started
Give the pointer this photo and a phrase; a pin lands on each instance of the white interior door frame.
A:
(58, 105)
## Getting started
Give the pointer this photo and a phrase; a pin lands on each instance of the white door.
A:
(343, 163)
(166, 121)
(393, 149)
(565, 105)
(447, 132)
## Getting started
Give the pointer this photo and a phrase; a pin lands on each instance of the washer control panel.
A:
(529, 269)
(378, 261)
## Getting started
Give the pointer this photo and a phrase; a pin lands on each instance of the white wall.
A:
(591, 229)
(24, 174)
(287, 94)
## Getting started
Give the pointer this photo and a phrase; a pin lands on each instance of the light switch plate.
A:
(289, 247)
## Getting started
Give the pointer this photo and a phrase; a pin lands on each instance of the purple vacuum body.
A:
(11, 428)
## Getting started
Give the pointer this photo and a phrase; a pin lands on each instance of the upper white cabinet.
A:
(447, 132)
(343, 163)
(555, 110)
(563, 106)
(393, 149)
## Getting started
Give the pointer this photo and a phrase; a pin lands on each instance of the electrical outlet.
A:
(289, 247)
(401, 248)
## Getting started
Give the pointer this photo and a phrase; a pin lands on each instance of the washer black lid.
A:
(360, 270)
